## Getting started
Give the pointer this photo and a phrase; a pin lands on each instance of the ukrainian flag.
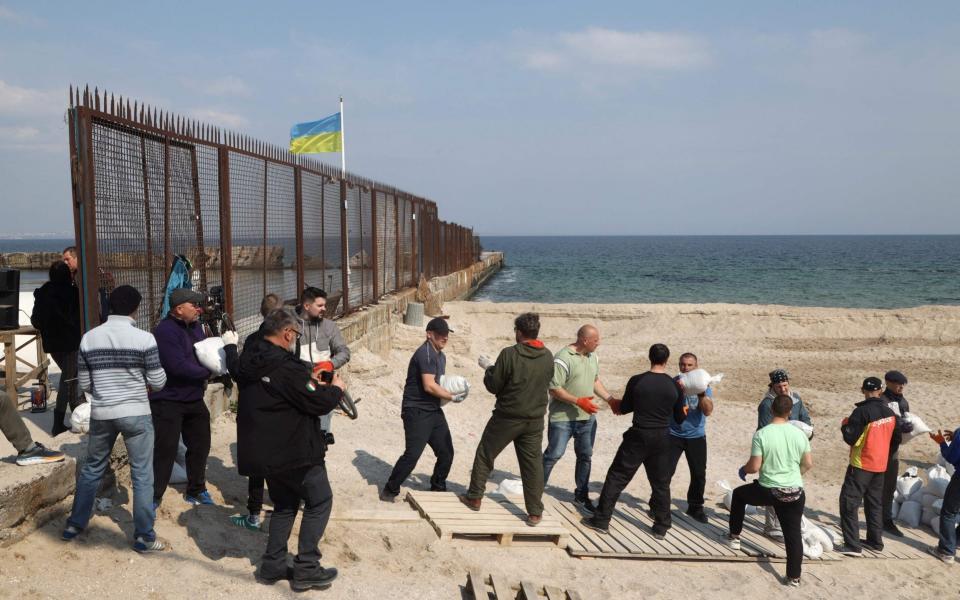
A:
(325, 135)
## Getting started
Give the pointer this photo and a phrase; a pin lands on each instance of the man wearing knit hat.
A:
(779, 385)
(893, 395)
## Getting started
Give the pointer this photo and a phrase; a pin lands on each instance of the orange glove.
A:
(615, 406)
(938, 437)
(587, 405)
(323, 365)
(845, 421)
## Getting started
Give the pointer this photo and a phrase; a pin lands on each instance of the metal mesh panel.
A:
(366, 244)
(208, 172)
(312, 197)
(419, 238)
(281, 251)
(406, 244)
(388, 243)
(354, 249)
(332, 242)
(247, 180)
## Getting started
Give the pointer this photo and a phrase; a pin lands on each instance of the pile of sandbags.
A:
(916, 503)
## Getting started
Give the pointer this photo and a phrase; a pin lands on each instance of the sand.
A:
(827, 351)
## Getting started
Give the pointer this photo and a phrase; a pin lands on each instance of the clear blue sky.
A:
(533, 118)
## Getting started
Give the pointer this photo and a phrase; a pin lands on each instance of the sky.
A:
(534, 118)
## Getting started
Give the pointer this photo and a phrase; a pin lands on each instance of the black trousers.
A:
(172, 419)
(67, 390)
(288, 489)
(647, 447)
(889, 487)
(420, 429)
(790, 515)
(860, 485)
(255, 495)
(696, 451)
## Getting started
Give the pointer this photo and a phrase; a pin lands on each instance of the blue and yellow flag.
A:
(325, 135)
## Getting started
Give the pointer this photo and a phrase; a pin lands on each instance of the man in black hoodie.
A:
(652, 397)
(520, 379)
(279, 438)
(894, 384)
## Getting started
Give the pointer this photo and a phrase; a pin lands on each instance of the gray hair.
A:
(278, 320)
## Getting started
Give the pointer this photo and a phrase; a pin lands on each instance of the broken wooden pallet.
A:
(496, 588)
(500, 518)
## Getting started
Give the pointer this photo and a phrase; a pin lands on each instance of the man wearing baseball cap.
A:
(422, 413)
(871, 432)
(893, 395)
(178, 409)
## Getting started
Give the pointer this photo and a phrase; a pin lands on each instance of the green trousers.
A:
(12, 425)
(527, 438)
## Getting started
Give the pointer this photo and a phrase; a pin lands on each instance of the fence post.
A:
(226, 231)
(298, 212)
(414, 268)
(375, 245)
(81, 129)
(198, 214)
(344, 259)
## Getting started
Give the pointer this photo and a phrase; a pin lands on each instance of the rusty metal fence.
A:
(251, 217)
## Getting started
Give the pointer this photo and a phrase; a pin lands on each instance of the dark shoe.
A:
(660, 532)
(848, 550)
(534, 520)
(891, 528)
(698, 514)
(793, 581)
(328, 436)
(438, 488)
(320, 580)
(38, 454)
(471, 503)
(144, 547)
(871, 546)
(585, 505)
(592, 523)
(270, 580)
(386, 496)
(69, 532)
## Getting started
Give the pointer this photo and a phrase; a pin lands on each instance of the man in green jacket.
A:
(519, 379)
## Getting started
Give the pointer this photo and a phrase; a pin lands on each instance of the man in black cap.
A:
(893, 395)
(179, 407)
(871, 432)
(422, 413)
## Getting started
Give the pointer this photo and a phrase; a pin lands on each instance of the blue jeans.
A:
(583, 433)
(137, 434)
(950, 515)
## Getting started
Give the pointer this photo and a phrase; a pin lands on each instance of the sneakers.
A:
(320, 580)
(143, 547)
(38, 454)
(871, 546)
(733, 541)
(201, 498)
(592, 523)
(891, 528)
(534, 520)
(698, 514)
(386, 496)
(69, 532)
(941, 555)
(585, 505)
(250, 522)
(471, 503)
(659, 532)
(793, 581)
(848, 550)
(270, 580)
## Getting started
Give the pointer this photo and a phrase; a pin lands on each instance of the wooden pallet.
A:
(912, 546)
(500, 518)
(497, 588)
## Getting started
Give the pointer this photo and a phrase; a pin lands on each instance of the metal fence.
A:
(149, 185)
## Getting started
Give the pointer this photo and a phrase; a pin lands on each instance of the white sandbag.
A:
(908, 485)
(456, 385)
(818, 534)
(806, 429)
(728, 498)
(927, 499)
(898, 497)
(937, 505)
(80, 418)
(927, 515)
(943, 463)
(910, 513)
(935, 524)
(211, 355)
(937, 480)
(835, 536)
(697, 381)
(919, 427)
(510, 487)
(894, 509)
(812, 547)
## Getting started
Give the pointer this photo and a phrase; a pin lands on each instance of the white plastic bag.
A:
(811, 546)
(211, 355)
(919, 427)
(937, 480)
(697, 381)
(456, 385)
(80, 418)
(928, 515)
(816, 534)
(907, 486)
(943, 463)
(937, 506)
(728, 498)
(935, 524)
(910, 513)
(510, 487)
(806, 429)
(927, 499)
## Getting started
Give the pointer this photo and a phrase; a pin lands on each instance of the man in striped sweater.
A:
(117, 363)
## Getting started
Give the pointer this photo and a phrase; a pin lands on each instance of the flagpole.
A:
(343, 143)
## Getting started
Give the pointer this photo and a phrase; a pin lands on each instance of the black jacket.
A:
(653, 398)
(278, 408)
(56, 315)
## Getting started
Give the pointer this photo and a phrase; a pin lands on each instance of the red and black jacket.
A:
(872, 433)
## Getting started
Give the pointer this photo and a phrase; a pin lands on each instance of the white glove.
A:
(458, 398)
(484, 362)
(230, 337)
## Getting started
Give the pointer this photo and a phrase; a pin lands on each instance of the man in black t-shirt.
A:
(423, 419)
(652, 397)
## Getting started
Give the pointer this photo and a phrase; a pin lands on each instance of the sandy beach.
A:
(827, 352)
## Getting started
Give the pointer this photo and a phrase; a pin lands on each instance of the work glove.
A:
(938, 437)
(615, 406)
(230, 337)
(458, 398)
(742, 473)
(586, 404)
(484, 362)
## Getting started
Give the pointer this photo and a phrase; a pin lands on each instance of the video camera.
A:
(214, 314)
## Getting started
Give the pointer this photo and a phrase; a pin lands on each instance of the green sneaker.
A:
(251, 522)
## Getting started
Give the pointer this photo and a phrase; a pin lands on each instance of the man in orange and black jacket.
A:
(872, 433)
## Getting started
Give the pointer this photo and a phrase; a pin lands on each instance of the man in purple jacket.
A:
(178, 409)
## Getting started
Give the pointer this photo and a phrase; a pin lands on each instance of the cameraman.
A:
(321, 340)
(179, 407)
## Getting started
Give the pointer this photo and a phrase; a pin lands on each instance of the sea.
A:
(869, 271)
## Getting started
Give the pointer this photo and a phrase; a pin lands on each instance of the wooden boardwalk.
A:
(500, 519)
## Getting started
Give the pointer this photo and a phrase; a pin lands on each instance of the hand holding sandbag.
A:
(484, 362)
(230, 338)
(458, 398)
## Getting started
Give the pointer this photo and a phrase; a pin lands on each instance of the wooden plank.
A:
(477, 586)
(601, 543)
(501, 589)
(528, 591)
(664, 546)
(554, 593)
(711, 536)
(572, 595)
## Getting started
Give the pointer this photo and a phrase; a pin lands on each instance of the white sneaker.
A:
(734, 542)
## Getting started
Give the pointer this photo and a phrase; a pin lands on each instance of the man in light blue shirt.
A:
(690, 438)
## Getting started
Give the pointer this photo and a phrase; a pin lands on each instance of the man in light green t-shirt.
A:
(781, 454)
(576, 379)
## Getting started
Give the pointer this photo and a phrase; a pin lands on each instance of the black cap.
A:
(895, 377)
(439, 326)
(872, 384)
(124, 300)
(779, 376)
(183, 295)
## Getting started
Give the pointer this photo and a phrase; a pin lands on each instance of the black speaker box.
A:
(9, 298)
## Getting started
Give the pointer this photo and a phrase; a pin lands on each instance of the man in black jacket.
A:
(652, 397)
(279, 438)
(894, 383)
